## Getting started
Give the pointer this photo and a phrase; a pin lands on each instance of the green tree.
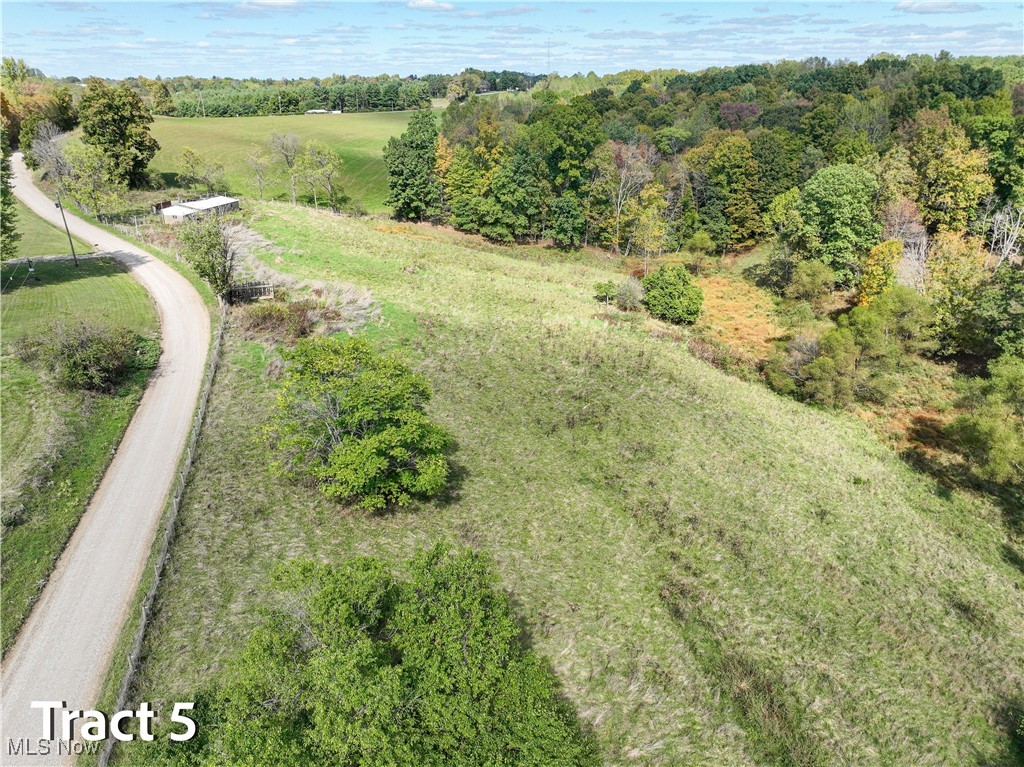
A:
(9, 234)
(207, 247)
(518, 190)
(160, 97)
(996, 322)
(955, 272)
(567, 222)
(813, 282)
(837, 210)
(671, 295)
(116, 121)
(324, 164)
(355, 423)
(360, 667)
(199, 171)
(566, 135)
(952, 176)
(415, 191)
(733, 169)
(89, 180)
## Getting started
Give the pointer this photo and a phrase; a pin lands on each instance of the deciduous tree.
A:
(952, 177)
(116, 121)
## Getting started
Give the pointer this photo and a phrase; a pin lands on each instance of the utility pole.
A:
(65, 220)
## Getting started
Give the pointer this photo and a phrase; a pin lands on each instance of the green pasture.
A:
(358, 138)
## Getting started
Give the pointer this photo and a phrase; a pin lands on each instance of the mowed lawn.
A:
(56, 443)
(718, 575)
(40, 238)
(358, 138)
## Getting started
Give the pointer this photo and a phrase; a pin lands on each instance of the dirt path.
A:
(65, 646)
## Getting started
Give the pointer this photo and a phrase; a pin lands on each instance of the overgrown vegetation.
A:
(89, 356)
(357, 666)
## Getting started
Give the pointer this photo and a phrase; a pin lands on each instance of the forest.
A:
(886, 196)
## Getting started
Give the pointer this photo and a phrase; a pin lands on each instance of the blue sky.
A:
(291, 38)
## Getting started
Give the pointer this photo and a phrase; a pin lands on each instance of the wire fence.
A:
(177, 491)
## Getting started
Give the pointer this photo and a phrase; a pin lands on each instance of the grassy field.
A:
(40, 238)
(56, 444)
(719, 576)
(358, 139)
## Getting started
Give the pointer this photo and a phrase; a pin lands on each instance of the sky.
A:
(295, 38)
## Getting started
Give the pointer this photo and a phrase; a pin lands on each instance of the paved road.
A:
(65, 646)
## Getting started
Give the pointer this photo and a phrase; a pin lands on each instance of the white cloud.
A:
(429, 5)
(937, 6)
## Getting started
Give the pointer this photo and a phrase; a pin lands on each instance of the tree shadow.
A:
(49, 272)
(1008, 714)
(1013, 558)
(170, 180)
(931, 454)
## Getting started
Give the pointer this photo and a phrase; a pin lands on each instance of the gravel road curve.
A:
(64, 648)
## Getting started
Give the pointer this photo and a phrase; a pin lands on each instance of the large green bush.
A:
(358, 667)
(354, 423)
(671, 295)
(88, 356)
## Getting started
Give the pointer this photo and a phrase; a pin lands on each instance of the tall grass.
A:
(718, 575)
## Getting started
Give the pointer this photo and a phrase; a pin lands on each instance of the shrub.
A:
(629, 296)
(354, 423)
(671, 295)
(831, 379)
(605, 291)
(92, 357)
(812, 281)
(281, 320)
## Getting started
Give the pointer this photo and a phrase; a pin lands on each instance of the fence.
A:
(249, 291)
(177, 490)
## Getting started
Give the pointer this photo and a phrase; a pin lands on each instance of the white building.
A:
(182, 211)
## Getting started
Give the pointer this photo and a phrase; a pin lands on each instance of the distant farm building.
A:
(175, 213)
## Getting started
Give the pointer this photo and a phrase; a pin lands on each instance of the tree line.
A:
(896, 182)
(228, 97)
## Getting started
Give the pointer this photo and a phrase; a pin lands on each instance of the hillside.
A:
(718, 575)
(357, 138)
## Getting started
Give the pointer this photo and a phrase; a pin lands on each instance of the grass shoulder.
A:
(58, 442)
